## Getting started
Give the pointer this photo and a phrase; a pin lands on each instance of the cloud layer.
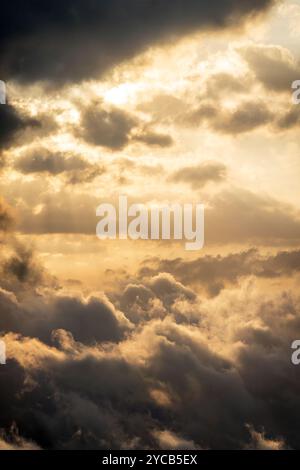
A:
(81, 39)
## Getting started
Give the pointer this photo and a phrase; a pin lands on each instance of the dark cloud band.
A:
(78, 39)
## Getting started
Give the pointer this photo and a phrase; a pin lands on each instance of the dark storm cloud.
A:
(21, 269)
(199, 176)
(75, 168)
(81, 398)
(63, 389)
(82, 403)
(94, 320)
(89, 321)
(252, 389)
(11, 123)
(75, 40)
(181, 360)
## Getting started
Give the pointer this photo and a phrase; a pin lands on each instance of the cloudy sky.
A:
(142, 344)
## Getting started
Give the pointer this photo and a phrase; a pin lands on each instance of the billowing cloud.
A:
(81, 397)
(215, 272)
(88, 320)
(78, 367)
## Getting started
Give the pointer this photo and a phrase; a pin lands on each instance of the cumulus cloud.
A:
(240, 115)
(244, 117)
(114, 128)
(88, 320)
(108, 128)
(74, 168)
(273, 66)
(199, 176)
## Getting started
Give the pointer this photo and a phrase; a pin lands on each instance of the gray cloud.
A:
(272, 65)
(214, 273)
(245, 117)
(289, 119)
(155, 139)
(89, 320)
(75, 168)
(199, 176)
(12, 123)
(73, 406)
(107, 128)
(221, 83)
(261, 219)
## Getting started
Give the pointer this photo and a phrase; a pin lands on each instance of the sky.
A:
(140, 344)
